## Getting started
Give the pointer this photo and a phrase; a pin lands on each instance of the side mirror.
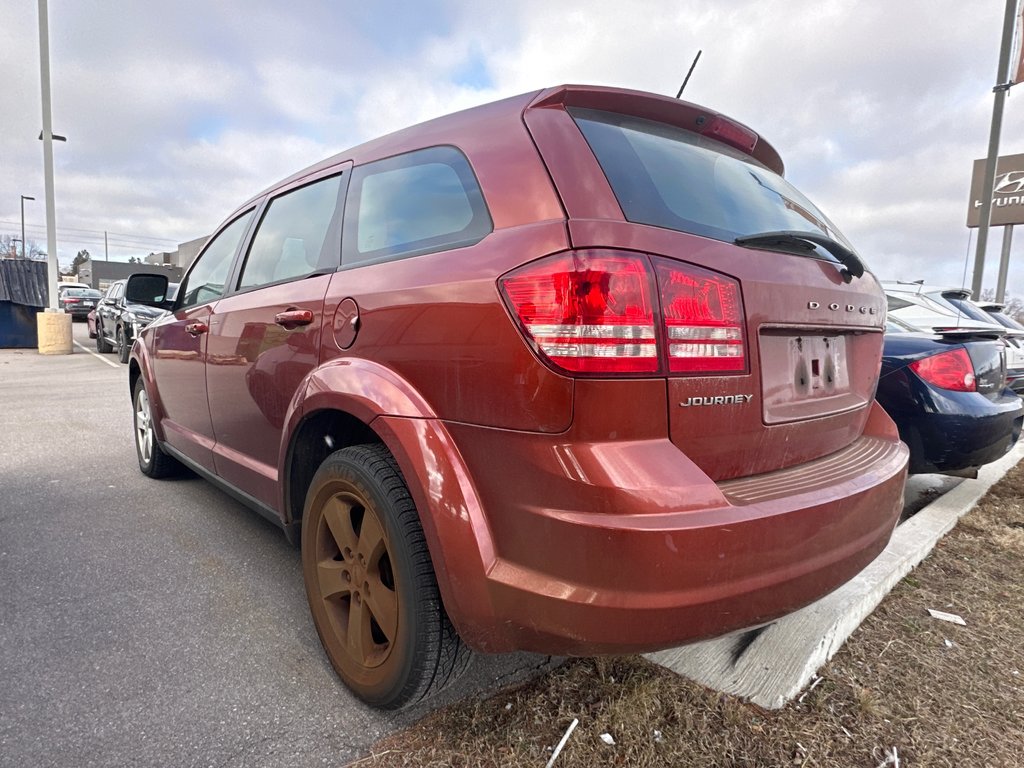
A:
(147, 289)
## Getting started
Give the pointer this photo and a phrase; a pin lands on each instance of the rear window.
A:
(672, 178)
(967, 308)
(1007, 321)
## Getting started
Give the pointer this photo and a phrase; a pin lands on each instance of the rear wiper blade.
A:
(802, 243)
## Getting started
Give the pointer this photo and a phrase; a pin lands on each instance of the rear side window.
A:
(292, 239)
(672, 178)
(419, 202)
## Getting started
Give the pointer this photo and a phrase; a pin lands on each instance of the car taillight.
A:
(71, 300)
(588, 311)
(703, 319)
(947, 370)
(596, 311)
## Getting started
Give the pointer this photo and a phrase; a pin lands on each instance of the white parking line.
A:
(97, 355)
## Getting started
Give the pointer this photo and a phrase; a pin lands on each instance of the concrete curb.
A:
(771, 666)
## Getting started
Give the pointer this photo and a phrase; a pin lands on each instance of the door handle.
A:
(194, 329)
(293, 318)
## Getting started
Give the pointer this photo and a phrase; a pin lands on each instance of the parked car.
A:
(1015, 336)
(78, 302)
(119, 321)
(947, 394)
(939, 309)
(574, 372)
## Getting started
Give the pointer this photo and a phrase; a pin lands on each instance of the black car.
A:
(118, 322)
(947, 394)
(78, 302)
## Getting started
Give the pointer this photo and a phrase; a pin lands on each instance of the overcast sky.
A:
(177, 112)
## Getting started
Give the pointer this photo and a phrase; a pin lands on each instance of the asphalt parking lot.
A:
(153, 623)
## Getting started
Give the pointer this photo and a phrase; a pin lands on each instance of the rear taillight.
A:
(71, 300)
(703, 319)
(597, 312)
(947, 370)
(588, 311)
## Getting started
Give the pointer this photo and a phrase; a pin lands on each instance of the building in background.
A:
(100, 274)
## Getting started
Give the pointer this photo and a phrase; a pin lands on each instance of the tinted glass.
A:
(83, 293)
(1007, 321)
(668, 177)
(292, 237)
(419, 202)
(205, 281)
(969, 309)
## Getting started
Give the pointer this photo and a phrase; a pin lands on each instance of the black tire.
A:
(123, 350)
(364, 559)
(152, 460)
(102, 345)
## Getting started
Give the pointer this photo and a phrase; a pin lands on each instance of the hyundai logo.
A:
(1009, 183)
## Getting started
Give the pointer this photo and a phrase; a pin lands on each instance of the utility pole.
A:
(1002, 86)
(47, 136)
(106, 251)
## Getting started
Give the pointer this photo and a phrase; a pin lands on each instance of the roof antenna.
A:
(681, 87)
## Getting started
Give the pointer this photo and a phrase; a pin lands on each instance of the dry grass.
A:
(940, 694)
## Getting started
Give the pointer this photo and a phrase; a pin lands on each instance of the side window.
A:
(292, 237)
(419, 202)
(205, 281)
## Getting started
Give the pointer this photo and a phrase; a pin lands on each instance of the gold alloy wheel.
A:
(370, 581)
(356, 581)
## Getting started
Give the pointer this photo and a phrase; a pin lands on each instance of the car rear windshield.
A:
(669, 177)
(83, 293)
(1007, 321)
(967, 308)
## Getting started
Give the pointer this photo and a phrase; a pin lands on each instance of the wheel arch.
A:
(349, 402)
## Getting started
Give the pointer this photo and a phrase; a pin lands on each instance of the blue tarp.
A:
(23, 293)
(23, 281)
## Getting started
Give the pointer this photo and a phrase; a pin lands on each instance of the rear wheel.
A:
(152, 459)
(122, 346)
(102, 345)
(370, 582)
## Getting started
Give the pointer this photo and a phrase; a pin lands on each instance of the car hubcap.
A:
(356, 580)
(120, 341)
(143, 427)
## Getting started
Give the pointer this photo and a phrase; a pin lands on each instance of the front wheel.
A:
(370, 583)
(152, 460)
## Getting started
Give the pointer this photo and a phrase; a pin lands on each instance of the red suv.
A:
(574, 372)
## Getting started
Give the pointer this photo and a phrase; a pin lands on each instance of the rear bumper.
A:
(969, 431)
(575, 548)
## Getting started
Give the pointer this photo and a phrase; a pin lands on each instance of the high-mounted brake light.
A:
(948, 370)
(703, 319)
(588, 311)
(725, 130)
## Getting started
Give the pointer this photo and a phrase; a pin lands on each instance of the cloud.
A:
(178, 112)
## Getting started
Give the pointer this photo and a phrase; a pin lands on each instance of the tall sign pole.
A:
(51, 216)
(1002, 86)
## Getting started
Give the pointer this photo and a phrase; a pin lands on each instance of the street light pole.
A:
(24, 255)
(51, 216)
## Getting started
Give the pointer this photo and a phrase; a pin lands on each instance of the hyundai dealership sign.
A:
(1007, 195)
